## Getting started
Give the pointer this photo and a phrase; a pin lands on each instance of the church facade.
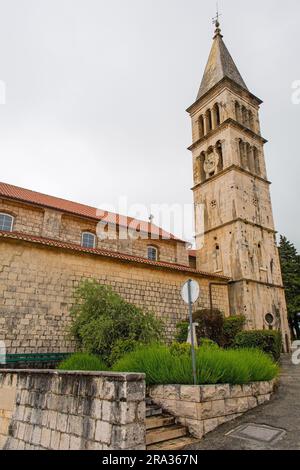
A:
(48, 245)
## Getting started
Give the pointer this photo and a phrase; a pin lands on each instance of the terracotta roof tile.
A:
(63, 205)
(105, 253)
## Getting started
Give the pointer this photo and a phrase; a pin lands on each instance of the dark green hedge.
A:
(266, 340)
(231, 328)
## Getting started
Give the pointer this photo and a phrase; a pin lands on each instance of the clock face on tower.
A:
(211, 163)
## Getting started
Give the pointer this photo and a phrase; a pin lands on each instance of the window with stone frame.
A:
(152, 253)
(88, 240)
(6, 222)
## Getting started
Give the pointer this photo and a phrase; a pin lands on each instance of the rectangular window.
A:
(6, 222)
(152, 253)
(88, 240)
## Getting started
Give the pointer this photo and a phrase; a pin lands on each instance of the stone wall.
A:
(55, 224)
(37, 285)
(203, 408)
(71, 410)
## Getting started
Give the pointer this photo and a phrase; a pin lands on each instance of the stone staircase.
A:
(162, 432)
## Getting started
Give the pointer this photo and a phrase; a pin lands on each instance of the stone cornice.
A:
(240, 219)
(267, 284)
(223, 125)
(222, 84)
(227, 170)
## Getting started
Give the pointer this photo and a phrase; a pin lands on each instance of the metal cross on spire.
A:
(216, 22)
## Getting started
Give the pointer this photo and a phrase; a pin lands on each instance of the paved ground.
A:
(283, 412)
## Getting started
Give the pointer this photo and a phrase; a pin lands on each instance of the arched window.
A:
(6, 222)
(251, 120)
(201, 163)
(217, 114)
(245, 117)
(259, 255)
(220, 154)
(88, 240)
(243, 154)
(256, 161)
(217, 259)
(152, 253)
(237, 111)
(208, 120)
(201, 126)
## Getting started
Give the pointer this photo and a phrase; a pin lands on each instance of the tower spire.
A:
(220, 64)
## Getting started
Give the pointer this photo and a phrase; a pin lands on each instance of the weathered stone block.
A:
(261, 399)
(190, 393)
(236, 391)
(210, 424)
(171, 392)
(46, 438)
(185, 409)
(195, 427)
(103, 432)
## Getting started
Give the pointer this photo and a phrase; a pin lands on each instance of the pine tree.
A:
(290, 266)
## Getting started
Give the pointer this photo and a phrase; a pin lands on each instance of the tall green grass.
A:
(83, 361)
(213, 366)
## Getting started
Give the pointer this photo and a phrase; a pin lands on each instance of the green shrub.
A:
(122, 347)
(179, 349)
(231, 327)
(82, 361)
(100, 318)
(266, 340)
(182, 332)
(213, 365)
(208, 343)
(210, 325)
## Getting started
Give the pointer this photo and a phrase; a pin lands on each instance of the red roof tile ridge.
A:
(107, 253)
(83, 210)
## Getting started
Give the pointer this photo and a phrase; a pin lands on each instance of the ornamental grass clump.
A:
(84, 362)
(214, 366)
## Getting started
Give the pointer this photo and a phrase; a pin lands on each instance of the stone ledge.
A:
(121, 376)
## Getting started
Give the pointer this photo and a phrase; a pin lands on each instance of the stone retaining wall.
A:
(71, 410)
(203, 408)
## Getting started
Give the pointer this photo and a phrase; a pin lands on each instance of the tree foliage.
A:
(101, 318)
(290, 266)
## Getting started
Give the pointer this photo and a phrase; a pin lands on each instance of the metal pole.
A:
(192, 331)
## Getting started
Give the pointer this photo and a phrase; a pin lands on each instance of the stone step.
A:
(165, 433)
(159, 421)
(149, 401)
(174, 444)
(153, 410)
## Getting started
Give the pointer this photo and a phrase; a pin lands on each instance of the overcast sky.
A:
(96, 92)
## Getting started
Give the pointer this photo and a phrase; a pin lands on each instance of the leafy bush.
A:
(231, 327)
(122, 347)
(182, 332)
(208, 343)
(82, 361)
(213, 366)
(210, 324)
(266, 340)
(179, 349)
(100, 318)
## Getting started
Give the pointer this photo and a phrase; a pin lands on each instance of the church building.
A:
(48, 245)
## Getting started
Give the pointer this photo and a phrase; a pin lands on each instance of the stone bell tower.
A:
(235, 233)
